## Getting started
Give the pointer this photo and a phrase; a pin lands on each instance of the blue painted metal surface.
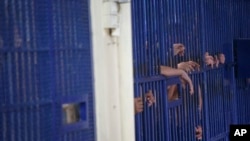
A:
(241, 54)
(202, 26)
(242, 90)
(45, 61)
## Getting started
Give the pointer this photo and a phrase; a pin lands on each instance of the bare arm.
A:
(168, 71)
(188, 66)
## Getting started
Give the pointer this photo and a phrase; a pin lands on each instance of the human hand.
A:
(178, 49)
(209, 60)
(216, 61)
(222, 58)
(198, 132)
(138, 105)
(189, 66)
(150, 98)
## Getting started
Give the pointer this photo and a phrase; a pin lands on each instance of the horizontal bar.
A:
(41, 50)
(62, 100)
(215, 68)
(17, 107)
(150, 79)
(74, 126)
(220, 136)
(72, 98)
(174, 79)
(174, 103)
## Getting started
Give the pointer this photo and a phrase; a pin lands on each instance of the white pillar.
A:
(113, 78)
(126, 73)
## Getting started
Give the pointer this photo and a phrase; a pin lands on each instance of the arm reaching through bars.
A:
(138, 105)
(189, 66)
(168, 71)
(209, 60)
(138, 101)
(216, 60)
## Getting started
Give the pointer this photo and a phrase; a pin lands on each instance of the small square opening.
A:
(74, 112)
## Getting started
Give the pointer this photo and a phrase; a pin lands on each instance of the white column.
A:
(126, 73)
(113, 80)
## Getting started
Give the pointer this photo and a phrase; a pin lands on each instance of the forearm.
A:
(168, 71)
(189, 81)
(185, 76)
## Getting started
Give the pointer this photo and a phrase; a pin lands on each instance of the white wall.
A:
(113, 77)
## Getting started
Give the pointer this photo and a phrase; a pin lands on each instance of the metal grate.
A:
(45, 62)
(201, 26)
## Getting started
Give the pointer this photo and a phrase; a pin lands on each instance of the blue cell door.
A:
(46, 91)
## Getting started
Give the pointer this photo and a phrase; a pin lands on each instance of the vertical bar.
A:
(162, 48)
(138, 117)
(203, 32)
(143, 49)
(166, 116)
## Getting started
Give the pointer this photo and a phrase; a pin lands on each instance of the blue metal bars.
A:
(202, 26)
(45, 61)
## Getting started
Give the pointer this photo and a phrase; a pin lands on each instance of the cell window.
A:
(74, 112)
